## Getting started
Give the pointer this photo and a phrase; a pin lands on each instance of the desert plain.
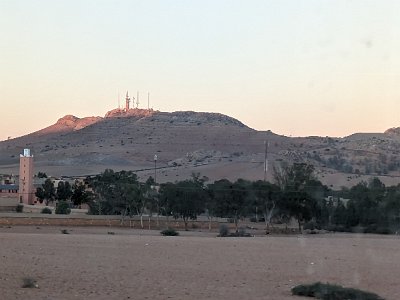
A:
(119, 263)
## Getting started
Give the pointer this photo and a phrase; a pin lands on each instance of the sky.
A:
(296, 67)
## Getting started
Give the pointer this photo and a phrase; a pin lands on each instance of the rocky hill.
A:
(213, 144)
(66, 124)
(394, 132)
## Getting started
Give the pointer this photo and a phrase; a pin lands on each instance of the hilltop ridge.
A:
(70, 123)
(216, 145)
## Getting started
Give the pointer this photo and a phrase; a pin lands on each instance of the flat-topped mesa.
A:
(202, 118)
(185, 118)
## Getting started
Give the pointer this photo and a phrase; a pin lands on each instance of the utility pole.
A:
(148, 100)
(155, 169)
(266, 143)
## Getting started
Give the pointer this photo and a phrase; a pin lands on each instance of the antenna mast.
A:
(127, 100)
(119, 104)
(137, 99)
(148, 100)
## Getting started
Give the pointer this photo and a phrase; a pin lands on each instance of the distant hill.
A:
(395, 131)
(213, 144)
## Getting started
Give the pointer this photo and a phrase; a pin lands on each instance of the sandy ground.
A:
(89, 263)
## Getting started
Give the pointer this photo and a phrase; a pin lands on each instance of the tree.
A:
(210, 205)
(294, 177)
(185, 198)
(364, 204)
(115, 193)
(391, 206)
(80, 195)
(64, 191)
(152, 199)
(166, 197)
(46, 192)
(41, 175)
(154, 204)
(143, 199)
(231, 198)
(341, 215)
(266, 197)
(294, 182)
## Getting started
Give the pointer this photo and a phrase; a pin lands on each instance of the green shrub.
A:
(338, 228)
(29, 283)
(19, 208)
(46, 210)
(326, 291)
(223, 230)
(312, 225)
(169, 232)
(374, 228)
(383, 230)
(242, 232)
(63, 208)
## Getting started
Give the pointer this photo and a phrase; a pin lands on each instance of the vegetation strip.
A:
(326, 291)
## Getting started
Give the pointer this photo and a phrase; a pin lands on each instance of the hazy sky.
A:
(295, 67)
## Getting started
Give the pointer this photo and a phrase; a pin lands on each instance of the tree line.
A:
(295, 194)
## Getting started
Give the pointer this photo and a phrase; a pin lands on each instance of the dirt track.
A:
(89, 263)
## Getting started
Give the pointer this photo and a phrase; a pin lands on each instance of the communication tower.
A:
(127, 101)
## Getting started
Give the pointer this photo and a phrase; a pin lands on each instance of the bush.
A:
(383, 230)
(29, 283)
(46, 210)
(242, 232)
(169, 232)
(326, 291)
(374, 228)
(19, 208)
(63, 208)
(338, 228)
(223, 230)
(312, 225)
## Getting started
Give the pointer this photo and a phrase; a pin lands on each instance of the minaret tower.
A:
(26, 189)
(127, 100)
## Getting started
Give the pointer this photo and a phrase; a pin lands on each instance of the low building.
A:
(9, 190)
